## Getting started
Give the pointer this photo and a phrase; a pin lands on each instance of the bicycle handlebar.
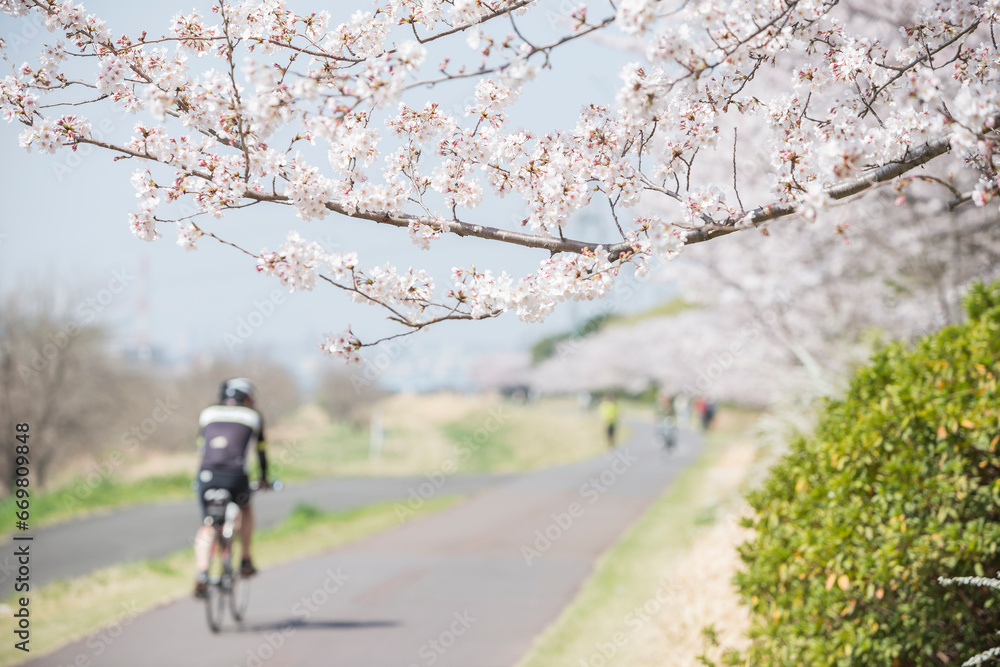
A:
(275, 485)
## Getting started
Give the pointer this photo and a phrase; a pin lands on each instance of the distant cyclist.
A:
(229, 431)
(608, 410)
(666, 421)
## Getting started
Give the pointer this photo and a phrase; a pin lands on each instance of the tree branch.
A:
(460, 228)
(545, 48)
(466, 26)
(913, 159)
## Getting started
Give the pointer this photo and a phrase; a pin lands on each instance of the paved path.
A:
(152, 531)
(471, 586)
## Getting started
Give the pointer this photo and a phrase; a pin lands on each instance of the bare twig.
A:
(466, 26)
(735, 187)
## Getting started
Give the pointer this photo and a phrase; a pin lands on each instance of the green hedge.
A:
(898, 485)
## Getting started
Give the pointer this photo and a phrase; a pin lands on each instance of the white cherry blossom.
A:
(730, 115)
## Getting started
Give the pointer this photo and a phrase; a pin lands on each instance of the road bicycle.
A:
(666, 433)
(226, 587)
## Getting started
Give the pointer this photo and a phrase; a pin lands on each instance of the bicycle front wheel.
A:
(239, 597)
(215, 604)
(218, 587)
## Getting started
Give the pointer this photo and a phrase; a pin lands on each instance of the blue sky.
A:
(64, 225)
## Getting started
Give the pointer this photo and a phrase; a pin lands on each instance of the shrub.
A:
(898, 485)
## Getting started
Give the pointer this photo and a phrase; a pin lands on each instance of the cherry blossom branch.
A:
(460, 228)
(386, 158)
(404, 220)
(205, 232)
(69, 104)
(452, 313)
(902, 70)
(545, 49)
(732, 49)
(736, 188)
(911, 160)
(317, 53)
(465, 26)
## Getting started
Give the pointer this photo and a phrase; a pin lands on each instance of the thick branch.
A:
(459, 228)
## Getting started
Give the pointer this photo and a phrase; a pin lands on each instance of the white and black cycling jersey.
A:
(228, 434)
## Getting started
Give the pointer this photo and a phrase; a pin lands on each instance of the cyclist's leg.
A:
(246, 530)
(203, 547)
(203, 540)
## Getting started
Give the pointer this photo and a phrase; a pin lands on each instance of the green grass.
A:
(621, 580)
(479, 450)
(626, 577)
(524, 437)
(428, 433)
(86, 495)
(67, 610)
(328, 450)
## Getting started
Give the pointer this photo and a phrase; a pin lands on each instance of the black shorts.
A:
(237, 483)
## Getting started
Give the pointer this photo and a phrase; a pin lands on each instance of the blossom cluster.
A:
(255, 102)
(298, 262)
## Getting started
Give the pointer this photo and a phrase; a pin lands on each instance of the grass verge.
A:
(88, 495)
(64, 611)
(509, 437)
(425, 433)
(652, 593)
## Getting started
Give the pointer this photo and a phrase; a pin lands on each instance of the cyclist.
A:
(666, 421)
(608, 410)
(228, 433)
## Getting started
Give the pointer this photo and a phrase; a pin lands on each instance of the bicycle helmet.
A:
(238, 388)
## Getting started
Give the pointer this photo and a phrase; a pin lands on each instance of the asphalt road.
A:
(79, 547)
(471, 586)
